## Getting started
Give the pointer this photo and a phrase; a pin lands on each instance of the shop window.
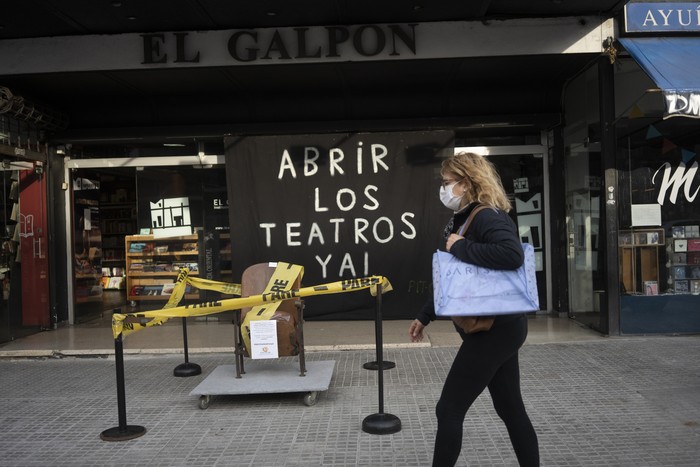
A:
(659, 217)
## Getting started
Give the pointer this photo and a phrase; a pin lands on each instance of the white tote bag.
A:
(463, 289)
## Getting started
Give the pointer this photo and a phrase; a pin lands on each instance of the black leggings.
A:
(486, 359)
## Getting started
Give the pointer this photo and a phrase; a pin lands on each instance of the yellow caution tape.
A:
(127, 323)
(223, 287)
(131, 322)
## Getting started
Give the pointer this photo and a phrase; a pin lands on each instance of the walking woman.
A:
(487, 359)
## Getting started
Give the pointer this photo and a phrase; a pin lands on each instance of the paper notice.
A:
(263, 339)
(646, 215)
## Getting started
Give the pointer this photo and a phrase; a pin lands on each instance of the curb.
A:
(98, 353)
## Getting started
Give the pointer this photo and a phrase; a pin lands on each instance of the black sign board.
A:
(343, 206)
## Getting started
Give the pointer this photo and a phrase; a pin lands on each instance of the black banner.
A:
(343, 206)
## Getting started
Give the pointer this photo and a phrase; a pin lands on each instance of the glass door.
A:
(523, 173)
(584, 197)
(585, 255)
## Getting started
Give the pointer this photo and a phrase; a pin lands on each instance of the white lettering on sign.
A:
(667, 17)
(315, 232)
(220, 203)
(340, 162)
(286, 164)
(379, 152)
(687, 104)
(371, 198)
(346, 263)
(310, 165)
(268, 227)
(291, 234)
(404, 218)
(680, 178)
(382, 231)
(351, 196)
(649, 19)
(317, 206)
(336, 156)
(350, 199)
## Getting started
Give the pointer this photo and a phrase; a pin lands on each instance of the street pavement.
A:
(607, 402)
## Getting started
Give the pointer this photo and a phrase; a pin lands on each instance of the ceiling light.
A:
(116, 4)
(131, 18)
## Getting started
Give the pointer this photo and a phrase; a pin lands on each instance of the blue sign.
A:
(662, 17)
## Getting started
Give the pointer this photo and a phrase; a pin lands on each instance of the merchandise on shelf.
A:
(152, 265)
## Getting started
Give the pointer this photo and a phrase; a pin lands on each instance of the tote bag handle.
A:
(462, 230)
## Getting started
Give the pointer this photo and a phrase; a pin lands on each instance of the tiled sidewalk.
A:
(612, 402)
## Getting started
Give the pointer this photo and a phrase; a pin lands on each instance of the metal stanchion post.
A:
(187, 368)
(122, 432)
(386, 365)
(380, 423)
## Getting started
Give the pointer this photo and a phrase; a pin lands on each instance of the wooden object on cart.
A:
(289, 316)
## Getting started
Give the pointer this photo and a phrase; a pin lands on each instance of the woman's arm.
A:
(492, 242)
(427, 313)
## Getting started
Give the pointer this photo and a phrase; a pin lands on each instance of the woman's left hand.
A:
(451, 241)
(415, 331)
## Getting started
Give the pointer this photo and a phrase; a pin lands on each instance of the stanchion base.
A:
(375, 365)
(381, 424)
(187, 369)
(116, 434)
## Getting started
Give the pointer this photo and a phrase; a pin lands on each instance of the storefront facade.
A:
(560, 134)
(630, 141)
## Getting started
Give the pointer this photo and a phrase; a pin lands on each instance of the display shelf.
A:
(684, 260)
(153, 264)
(640, 256)
(117, 221)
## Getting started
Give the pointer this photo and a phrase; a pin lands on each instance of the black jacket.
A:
(492, 241)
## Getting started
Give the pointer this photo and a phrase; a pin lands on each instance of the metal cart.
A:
(265, 377)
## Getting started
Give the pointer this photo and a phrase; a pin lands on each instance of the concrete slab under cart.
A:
(266, 377)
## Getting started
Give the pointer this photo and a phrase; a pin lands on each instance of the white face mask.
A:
(448, 198)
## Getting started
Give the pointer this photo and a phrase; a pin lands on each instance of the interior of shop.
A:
(121, 261)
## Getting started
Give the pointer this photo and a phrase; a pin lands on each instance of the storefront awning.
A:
(674, 65)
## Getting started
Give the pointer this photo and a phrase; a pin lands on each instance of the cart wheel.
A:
(203, 402)
(311, 398)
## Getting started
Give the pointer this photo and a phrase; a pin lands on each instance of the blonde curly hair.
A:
(480, 176)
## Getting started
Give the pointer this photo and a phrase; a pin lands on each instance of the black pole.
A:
(380, 423)
(379, 348)
(378, 340)
(122, 432)
(187, 368)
